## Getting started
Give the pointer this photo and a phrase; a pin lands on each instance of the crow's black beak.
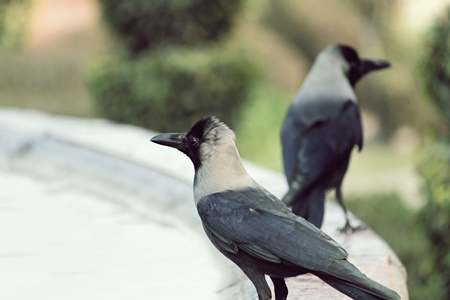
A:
(365, 66)
(174, 140)
(368, 65)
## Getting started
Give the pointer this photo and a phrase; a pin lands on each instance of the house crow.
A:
(253, 228)
(320, 129)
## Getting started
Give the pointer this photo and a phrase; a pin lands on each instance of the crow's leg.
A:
(281, 290)
(348, 228)
(259, 281)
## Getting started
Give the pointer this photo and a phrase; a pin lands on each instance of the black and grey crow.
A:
(253, 228)
(320, 129)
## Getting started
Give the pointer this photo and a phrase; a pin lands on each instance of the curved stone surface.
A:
(118, 219)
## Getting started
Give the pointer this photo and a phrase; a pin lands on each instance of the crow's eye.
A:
(193, 141)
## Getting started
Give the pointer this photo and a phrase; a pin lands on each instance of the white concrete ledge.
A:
(120, 160)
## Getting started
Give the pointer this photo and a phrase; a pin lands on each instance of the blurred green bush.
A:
(434, 164)
(172, 74)
(434, 168)
(143, 24)
(13, 18)
(171, 89)
(436, 68)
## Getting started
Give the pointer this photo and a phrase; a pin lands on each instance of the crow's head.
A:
(206, 138)
(210, 145)
(353, 66)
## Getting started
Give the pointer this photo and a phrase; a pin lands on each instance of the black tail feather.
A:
(349, 290)
(358, 292)
(310, 206)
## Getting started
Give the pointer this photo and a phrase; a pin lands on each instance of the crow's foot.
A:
(349, 229)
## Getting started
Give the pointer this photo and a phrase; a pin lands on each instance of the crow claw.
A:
(349, 229)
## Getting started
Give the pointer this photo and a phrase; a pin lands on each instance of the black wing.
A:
(323, 147)
(256, 222)
(292, 133)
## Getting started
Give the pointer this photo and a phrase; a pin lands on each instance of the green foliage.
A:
(258, 130)
(170, 89)
(434, 168)
(436, 67)
(401, 229)
(144, 24)
(434, 165)
(165, 85)
(13, 17)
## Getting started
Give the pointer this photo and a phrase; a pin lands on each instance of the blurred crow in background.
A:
(253, 228)
(321, 127)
